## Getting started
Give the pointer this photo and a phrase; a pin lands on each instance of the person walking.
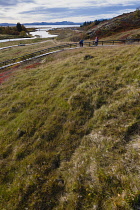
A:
(96, 41)
(81, 43)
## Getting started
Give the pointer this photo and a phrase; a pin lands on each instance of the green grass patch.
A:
(69, 132)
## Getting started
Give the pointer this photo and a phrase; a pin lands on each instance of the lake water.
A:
(42, 31)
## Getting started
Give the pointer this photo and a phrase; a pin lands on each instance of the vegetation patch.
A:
(7, 32)
(69, 131)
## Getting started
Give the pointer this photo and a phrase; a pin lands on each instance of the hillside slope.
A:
(70, 132)
(124, 22)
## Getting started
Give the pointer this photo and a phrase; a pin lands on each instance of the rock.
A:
(87, 57)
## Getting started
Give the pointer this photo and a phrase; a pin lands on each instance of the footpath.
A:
(7, 73)
(38, 54)
(19, 45)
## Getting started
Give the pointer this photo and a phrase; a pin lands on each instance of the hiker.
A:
(96, 41)
(81, 43)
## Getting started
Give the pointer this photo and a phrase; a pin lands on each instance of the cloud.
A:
(86, 3)
(42, 10)
(62, 12)
(13, 2)
(8, 3)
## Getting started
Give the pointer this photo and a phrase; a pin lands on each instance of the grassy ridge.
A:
(121, 23)
(69, 132)
(129, 34)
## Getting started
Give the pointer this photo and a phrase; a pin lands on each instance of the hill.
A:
(122, 23)
(125, 26)
(69, 132)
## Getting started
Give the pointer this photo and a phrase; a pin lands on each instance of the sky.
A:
(28, 11)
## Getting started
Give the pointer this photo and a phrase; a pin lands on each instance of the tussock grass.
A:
(69, 132)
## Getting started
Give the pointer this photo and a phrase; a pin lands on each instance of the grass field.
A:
(26, 41)
(70, 131)
(22, 50)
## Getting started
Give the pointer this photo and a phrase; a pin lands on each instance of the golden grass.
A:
(69, 132)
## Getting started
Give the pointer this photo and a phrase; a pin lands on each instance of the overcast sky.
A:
(27, 11)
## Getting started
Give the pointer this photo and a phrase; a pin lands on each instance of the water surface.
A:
(41, 31)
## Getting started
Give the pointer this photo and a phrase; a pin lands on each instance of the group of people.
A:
(81, 43)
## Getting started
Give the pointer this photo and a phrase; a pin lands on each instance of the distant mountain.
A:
(53, 23)
(7, 24)
(43, 23)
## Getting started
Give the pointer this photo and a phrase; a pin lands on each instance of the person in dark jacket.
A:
(81, 43)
